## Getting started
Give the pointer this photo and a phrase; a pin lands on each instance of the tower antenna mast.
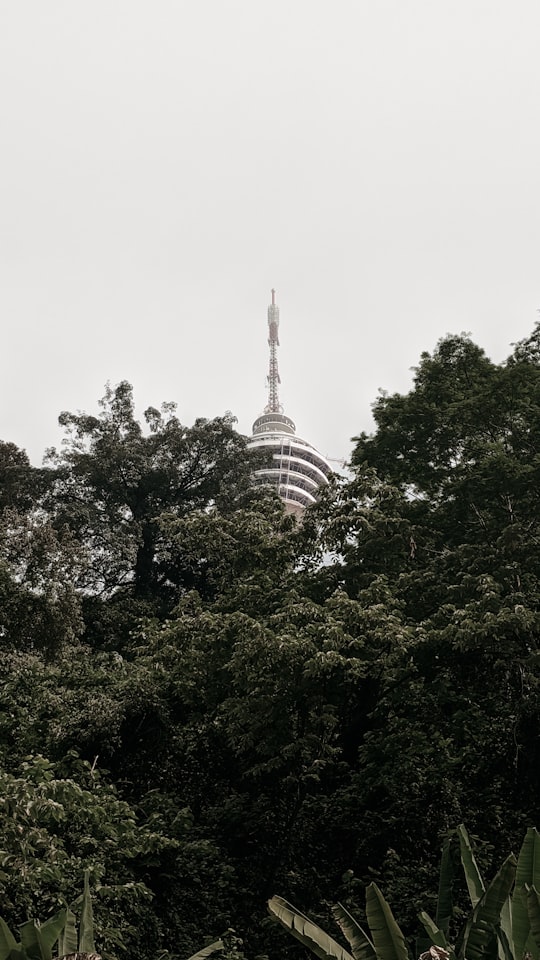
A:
(292, 466)
(273, 405)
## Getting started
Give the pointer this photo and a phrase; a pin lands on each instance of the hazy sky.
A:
(164, 164)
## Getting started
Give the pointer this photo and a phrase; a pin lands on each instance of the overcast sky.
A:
(164, 163)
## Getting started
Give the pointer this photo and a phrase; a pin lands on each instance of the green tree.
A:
(442, 516)
(20, 483)
(40, 608)
(464, 447)
(54, 827)
(114, 485)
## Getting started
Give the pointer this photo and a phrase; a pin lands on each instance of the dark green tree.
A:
(464, 446)
(115, 486)
(443, 513)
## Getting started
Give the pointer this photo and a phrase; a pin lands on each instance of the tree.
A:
(464, 447)
(440, 525)
(115, 484)
(54, 827)
(300, 707)
(39, 567)
(19, 481)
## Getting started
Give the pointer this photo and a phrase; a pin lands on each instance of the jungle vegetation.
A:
(205, 704)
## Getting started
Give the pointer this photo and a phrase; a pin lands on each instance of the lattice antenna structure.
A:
(294, 467)
(273, 405)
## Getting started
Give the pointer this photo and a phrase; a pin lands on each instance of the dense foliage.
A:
(205, 703)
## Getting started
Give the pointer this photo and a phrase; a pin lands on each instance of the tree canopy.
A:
(206, 703)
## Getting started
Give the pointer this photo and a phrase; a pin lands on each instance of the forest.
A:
(205, 703)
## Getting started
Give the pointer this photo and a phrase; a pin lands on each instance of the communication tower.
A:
(295, 467)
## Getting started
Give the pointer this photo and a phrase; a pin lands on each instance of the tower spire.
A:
(273, 405)
(295, 468)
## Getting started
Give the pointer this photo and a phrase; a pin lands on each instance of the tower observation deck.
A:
(295, 467)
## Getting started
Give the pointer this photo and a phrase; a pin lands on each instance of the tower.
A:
(296, 468)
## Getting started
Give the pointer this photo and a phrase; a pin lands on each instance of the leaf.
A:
(435, 934)
(38, 940)
(528, 865)
(307, 932)
(361, 946)
(7, 940)
(207, 951)
(533, 908)
(527, 875)
(505, 933)
(68, 942)
(388, 939)
(475, 883)
(51, 931)
(505, 946)
(483, 927)
(86, 932)
(29, 939)
(445, 907)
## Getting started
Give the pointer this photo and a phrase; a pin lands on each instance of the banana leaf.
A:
(32, 942)
(475, 884)
(482, 932)
(533, 907)
(50, 932)
(38, 939)
(7, 940)
(505, 950)
(360, 944)
(29, 940)
(86, 932)
(207, 951)
(506, 943)
(45, 948)
(68, 942)
(307, 932)
(387, 937)
(528, 867)
(435, 934)
(527, 875)
(445, 907)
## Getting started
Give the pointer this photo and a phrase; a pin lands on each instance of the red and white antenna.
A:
(273, 405)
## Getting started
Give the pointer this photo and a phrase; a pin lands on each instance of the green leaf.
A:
(435, 934)
(207, 951)
(361, 946)
(38, 939)
(7, 940)
(86, 933)
(388, 939)
(482, 931)
(475, 884)
(29, 939)
(307, 932)
(521, 924)
(68, 942)
(445, 907)
(50, 932)
(505, 933)
(528, 865)
(527, 875)
(533, 907)
(505, 951)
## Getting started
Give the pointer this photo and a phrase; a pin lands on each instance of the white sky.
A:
(164, 163)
